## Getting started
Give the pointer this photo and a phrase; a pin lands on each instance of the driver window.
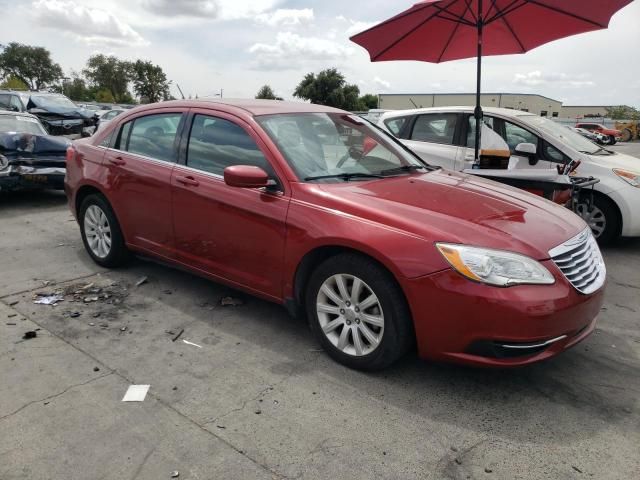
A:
(515, 135)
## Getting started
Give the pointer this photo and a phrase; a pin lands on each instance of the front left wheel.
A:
(101, 232)
(358, 312)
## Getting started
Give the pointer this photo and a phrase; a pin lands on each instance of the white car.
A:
(445, 136)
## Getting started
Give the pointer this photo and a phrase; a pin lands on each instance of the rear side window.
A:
(435, 128)
(216, 143)
(395, 125)
(152, 136)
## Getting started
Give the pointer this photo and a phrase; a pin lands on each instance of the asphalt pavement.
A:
(256, 397)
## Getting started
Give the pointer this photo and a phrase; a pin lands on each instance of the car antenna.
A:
(180, 90)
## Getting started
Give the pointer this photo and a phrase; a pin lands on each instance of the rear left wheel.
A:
(101, 232)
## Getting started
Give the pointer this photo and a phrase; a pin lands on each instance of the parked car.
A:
(593, 136)
(105, 116)
(29, 157)
(444, 136)
(58, 114)
(379, 249)
(612, 135)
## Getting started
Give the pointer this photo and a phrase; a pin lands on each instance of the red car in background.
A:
(612, 134)
(319, 210)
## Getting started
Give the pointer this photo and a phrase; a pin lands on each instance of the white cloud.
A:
(92, 26)
(381, 84)
(357, 27)
(287, 17)
(563, 80)
(291, 49)
(184, 8)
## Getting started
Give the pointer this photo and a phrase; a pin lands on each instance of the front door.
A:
(139, 170)
(236, 234)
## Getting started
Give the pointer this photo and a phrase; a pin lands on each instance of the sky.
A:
(239, 45)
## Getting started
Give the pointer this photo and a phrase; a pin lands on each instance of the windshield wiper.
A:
(404, 168)
(600, 149)
(345, 176)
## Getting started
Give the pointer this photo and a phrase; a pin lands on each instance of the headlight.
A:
(495, 267)
(631, 178)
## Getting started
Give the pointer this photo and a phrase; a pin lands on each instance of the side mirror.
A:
(245, 176)
(527, 150)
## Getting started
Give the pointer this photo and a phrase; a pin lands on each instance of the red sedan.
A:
(315, 208)
(611, 134)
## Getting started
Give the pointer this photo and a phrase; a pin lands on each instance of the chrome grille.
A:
(581, 262)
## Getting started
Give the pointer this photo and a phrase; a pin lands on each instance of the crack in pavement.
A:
(50, 397)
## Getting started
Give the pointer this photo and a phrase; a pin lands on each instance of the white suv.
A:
(445, 136)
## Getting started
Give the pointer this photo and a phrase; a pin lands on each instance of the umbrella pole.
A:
(478, 109)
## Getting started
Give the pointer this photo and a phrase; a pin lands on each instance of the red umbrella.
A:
(442, 30)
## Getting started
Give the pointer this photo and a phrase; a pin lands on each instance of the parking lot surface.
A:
(255, 397)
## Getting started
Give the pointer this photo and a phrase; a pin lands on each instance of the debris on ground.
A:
(175, 474)
(48, 298)
(136, 393)
(487, 470)
(11, 315)
(10, 323)
(74, 314)
(231, 302)
(576, 469)
(30, 334)
(142, 281)
(191, 343)
(96, 315)
(177, 336)
(91, 324)
(167, 292)
(96, 369)
(14, 303)
(90, 299)
(123, 329)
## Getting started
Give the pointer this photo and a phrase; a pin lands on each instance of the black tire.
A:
(118, 252)
(612, 220)
(612, 140)
(398, 333)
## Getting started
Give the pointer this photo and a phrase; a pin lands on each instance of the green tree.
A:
(367, 102)
(76, 88)
(14, 83)
(329, 88)
(106, 72)
(150, 82)
(31, 65)
(623, 112)
(267, 93)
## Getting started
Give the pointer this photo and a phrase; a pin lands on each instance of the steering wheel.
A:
(353, 152)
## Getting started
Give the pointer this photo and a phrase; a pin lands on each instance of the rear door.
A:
(139, 178)
(236, 234)
(432, 136)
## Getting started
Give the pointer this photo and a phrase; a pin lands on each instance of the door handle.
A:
(188, 180)
(116, 160)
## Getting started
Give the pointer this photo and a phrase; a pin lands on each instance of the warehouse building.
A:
(538, 104)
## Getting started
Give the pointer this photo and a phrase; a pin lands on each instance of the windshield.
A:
(20, 124)
(565, 135)
(341, 146)
(52, 101)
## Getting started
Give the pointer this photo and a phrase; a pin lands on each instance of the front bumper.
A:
(460, 321)
(17, 177)
(628, 201)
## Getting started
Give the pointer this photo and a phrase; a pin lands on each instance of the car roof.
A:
(454, 109)
(254, 107)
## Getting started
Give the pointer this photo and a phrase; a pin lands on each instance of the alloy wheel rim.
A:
(594, 218)
(350, 315)
(97, 231)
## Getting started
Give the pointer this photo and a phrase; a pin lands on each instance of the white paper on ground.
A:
(136, 393)
(191, 343)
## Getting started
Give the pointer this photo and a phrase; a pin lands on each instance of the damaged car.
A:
(60, 116)
(29, 157)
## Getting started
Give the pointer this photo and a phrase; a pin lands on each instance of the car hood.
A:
(27, 144)
(444, 206)
(64, 112)
(617, 160)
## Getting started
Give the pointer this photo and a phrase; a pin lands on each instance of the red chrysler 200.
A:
(315, 208)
